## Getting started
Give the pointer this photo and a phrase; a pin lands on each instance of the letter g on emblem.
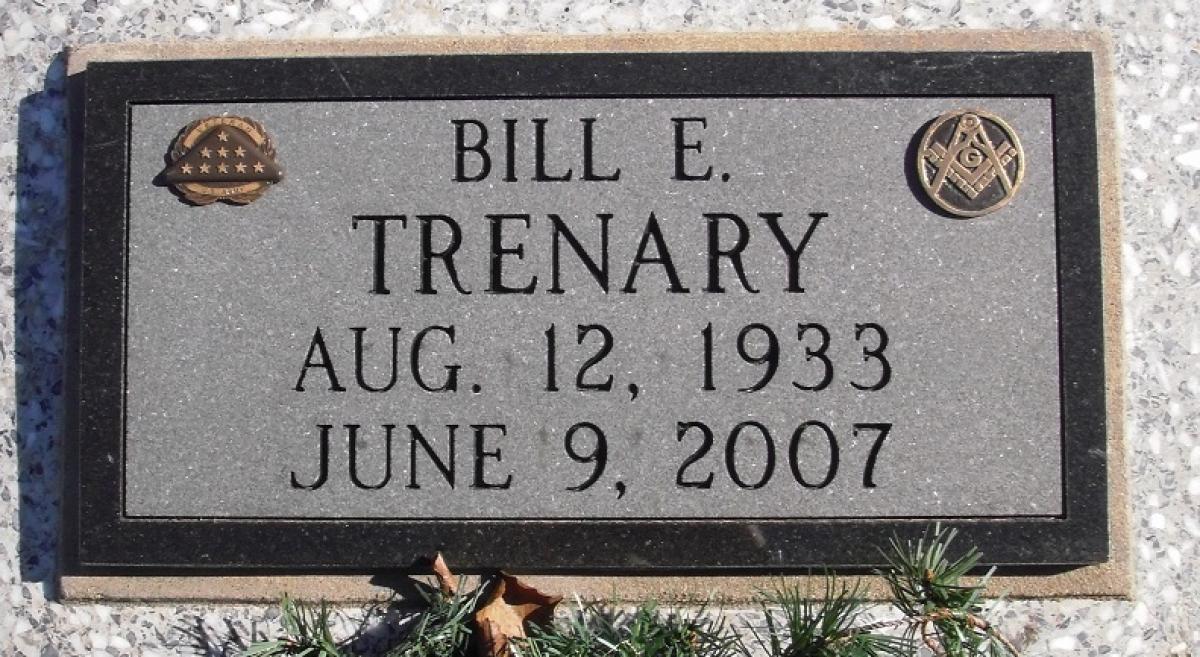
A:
(970, 162)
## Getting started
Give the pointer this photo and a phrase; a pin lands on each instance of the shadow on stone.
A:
(209, 642)
(39, 278)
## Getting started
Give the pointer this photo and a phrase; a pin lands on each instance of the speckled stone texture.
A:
(1157, 50)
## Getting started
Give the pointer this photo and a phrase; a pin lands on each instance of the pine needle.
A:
(646, 631)
(306, 633)
(941, 610)
(825, 627)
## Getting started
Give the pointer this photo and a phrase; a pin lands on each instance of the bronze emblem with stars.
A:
(970, 162)
(222, 158)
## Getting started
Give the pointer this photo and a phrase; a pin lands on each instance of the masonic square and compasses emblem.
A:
(222, 158)
(970, 162)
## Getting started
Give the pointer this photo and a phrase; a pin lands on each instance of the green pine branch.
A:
(597, 631)
(828, 626)
(926, 585)
(306, 633)
(940, 614)
(444, 627)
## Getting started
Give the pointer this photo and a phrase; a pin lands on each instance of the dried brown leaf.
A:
(510, 608)
(445, 579)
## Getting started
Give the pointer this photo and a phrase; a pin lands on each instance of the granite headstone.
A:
(617, 312)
